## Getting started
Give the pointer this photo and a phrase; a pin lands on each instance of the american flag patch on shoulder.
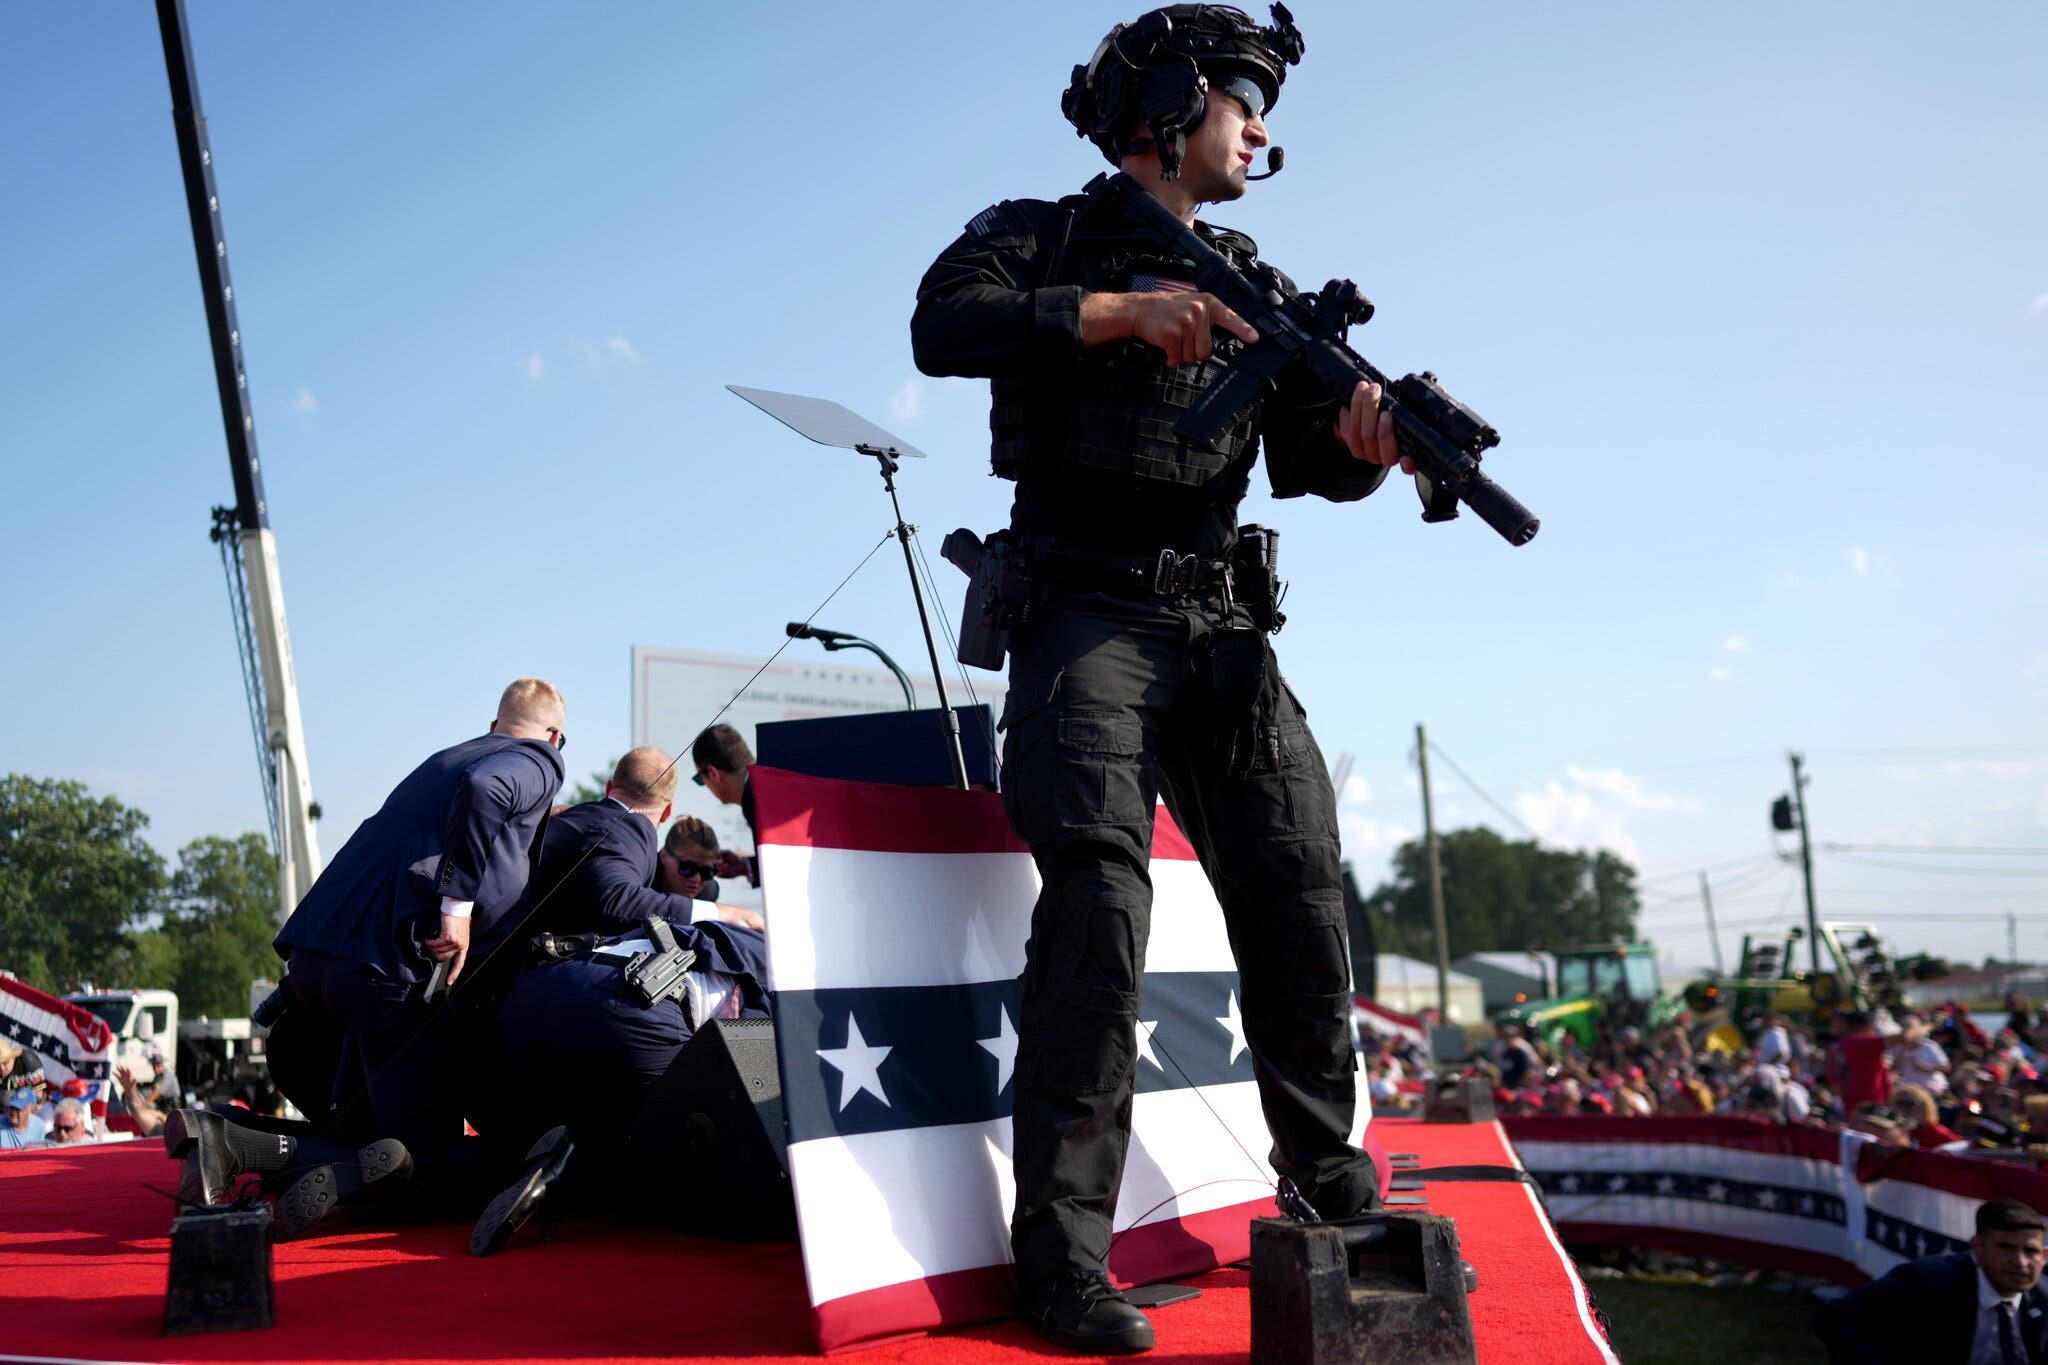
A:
(1159, 284)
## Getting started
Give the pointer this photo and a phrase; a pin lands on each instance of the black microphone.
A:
(797, 630)
(1275, 159)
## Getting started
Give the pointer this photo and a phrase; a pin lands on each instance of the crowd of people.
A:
(1945, 1079)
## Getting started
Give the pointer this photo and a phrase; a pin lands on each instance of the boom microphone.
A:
(1275, 159)
(797, 630)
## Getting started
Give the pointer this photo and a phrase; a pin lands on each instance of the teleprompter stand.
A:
(829, 424)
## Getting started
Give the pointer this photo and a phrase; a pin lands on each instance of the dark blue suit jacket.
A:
(596, 874)
(1921, 1312)
(465, 823)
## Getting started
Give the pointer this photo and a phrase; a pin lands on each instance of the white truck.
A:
(210, 1057)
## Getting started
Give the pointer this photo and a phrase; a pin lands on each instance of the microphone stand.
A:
(885, 456)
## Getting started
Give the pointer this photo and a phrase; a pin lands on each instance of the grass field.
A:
(1678, 1323)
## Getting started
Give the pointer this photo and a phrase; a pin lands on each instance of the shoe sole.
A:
(385, 1159)
(1134, 1342)
(314, 1197)
(178, 1139)
(181, 1143)
(508, 1213)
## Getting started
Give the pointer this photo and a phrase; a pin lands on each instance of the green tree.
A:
(218, 923)
(75, 878)
(1506, 896)
(591, 787)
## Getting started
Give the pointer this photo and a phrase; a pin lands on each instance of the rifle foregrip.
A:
(1502, 511)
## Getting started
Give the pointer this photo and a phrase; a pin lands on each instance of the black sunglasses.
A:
(561, 739)
(698, 776)
(686, 868)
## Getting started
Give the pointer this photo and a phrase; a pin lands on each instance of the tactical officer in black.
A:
(1140, 667)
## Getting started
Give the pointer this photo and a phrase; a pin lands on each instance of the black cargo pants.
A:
(1116, 701)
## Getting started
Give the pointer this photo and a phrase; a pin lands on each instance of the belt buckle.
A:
(1165, 573)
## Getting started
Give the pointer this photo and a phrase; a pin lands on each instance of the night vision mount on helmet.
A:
(1159, 70)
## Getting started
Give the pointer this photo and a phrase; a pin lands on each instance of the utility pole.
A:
(1806, 860)
(1436, 885)
(1713, 934)
(2012, 939)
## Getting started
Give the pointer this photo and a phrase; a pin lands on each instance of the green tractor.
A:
(1616, 982)
(1857, 972)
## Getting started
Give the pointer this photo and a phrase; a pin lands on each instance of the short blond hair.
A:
(531, 702)
(1918, 1101)
(645, 778)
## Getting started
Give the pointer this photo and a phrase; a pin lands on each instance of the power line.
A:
(1710, 868)
(2026, 851)
(1480, 791)
(1938, 870)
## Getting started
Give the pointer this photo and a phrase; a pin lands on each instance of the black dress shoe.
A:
(518, 1202)
(1084, 1313)
(314, 1197)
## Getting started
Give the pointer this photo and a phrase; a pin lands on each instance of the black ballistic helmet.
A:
(1159, 70)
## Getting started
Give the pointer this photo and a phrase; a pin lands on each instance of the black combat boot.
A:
(215, 1152)
(1083, 1312)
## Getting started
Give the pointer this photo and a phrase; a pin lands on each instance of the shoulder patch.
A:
(1005, 219)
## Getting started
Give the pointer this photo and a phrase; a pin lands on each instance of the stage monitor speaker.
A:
(906, 748)
(713, 1131)
(220, 1271)
(1458, 1099)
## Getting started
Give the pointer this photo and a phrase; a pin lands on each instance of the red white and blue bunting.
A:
(1809, 1199)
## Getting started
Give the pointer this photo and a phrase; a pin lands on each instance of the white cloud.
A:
(906, 404)
(1720, 673)
(1859, 560)
(619, 346)
(2040, 303)
(1362, 837)
(1736, 644)
(305, 402)
(536, 368)
(1592, 809)
(1359, 835)
(1355, 792)
(1631, 792)
(1790, 581)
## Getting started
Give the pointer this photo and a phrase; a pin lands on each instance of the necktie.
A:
(2010, 1352)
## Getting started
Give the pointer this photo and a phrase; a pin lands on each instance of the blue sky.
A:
(1757, 295)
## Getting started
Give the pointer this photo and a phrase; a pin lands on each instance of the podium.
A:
(905, 748)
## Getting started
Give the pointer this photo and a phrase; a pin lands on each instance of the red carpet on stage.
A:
(84, 1256)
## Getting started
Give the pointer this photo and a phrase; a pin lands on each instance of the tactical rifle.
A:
(1442, 436)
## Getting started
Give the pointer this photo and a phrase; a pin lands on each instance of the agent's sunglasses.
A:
(685, 868)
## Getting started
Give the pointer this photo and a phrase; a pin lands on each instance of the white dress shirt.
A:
(1984, 1345)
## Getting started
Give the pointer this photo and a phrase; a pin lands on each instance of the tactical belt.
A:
(1166, 574)
(628, 955)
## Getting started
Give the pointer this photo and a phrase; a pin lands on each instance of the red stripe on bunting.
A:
(1720, 1130)
(1970, 1177)
(795, 810)
(1143, 1255)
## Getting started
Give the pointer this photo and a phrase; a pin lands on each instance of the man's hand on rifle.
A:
(1367, 432)
(1177, 322)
